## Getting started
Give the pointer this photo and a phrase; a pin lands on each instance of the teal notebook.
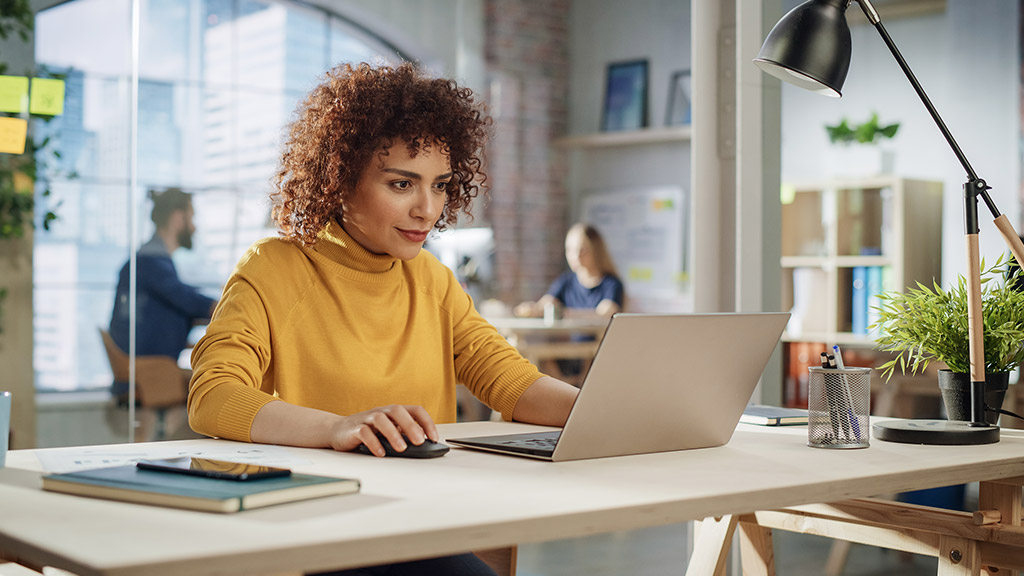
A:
(773, 416)
(131, 484)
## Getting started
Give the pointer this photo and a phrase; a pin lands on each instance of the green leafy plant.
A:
(924, 324)
(15, 18)
(867, 133)
(19, 172)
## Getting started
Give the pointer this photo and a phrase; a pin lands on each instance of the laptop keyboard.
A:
(535, 443)
(531, 444)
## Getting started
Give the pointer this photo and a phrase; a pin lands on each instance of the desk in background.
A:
(467, 500)
(538, 339)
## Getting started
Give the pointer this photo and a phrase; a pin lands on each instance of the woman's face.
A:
(397, 200)
(577, 251)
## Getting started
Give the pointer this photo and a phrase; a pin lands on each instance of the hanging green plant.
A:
(17, 188)
(868, 132)
(18, 172)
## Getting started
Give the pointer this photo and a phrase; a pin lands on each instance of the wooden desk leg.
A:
(1007, 500)
(958, 557)
(711, 546)
(757, 554)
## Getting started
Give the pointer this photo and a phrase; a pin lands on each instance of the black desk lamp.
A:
(810, 47)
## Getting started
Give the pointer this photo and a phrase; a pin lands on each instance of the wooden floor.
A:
(663, 551)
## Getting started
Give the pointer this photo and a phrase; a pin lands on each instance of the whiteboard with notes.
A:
(646, 230)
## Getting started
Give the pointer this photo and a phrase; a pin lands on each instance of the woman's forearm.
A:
(290, 425)
(547, 401)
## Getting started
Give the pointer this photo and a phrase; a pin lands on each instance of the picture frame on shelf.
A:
(625, 96)
(679, 109)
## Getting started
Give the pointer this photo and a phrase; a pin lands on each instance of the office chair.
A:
(160, 385)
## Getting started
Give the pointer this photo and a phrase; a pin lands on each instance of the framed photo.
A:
(680, 91)
(625, 96)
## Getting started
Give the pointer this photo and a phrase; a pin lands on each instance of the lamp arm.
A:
(974, 188)
(872, 16)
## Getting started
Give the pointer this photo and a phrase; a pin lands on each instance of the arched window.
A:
(218, 81)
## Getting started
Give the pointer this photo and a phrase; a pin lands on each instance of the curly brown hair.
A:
(359, 111)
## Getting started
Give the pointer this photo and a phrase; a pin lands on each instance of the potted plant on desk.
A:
(924, 324)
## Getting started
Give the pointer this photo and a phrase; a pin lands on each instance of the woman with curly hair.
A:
(344, 328)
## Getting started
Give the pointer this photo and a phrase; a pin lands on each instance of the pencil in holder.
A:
(838, 407)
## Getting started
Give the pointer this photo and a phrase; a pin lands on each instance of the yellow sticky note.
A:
(787, 193)
(23, 184)
(13, 94)
(47, 97)
(641, 274)
(12, 135)
(663, 204)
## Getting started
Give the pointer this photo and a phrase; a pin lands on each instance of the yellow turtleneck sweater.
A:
(334, 327)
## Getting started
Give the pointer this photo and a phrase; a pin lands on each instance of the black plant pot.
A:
(956, 394)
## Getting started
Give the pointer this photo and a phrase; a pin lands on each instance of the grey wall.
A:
(967, 60)
(606, 31)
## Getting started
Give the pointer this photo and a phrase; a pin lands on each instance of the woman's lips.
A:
(415, 235)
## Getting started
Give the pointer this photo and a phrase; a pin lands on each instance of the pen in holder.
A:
(838, 407)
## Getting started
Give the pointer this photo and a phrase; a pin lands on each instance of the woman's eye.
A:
(441, 186)
(402, 184)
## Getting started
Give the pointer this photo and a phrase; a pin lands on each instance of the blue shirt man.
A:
(166, 308)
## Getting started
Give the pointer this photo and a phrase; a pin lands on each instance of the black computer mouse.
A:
(429, 449)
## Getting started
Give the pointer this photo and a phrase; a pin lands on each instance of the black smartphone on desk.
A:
(210, 468)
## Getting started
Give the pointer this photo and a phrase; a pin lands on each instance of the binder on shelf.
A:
(810, 310)
(859, 294)
(875, 289)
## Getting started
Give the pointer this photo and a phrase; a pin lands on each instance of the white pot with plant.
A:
(857, 150)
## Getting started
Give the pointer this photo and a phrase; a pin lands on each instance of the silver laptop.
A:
(658, 382)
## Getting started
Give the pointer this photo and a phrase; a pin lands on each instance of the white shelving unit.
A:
(830, 227)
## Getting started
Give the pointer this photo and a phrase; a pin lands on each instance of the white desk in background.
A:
(538, 339)
(467, 500)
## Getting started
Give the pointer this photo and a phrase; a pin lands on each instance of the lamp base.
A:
(935, 432)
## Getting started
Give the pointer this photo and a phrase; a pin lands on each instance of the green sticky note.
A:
(47, 97)
(12, 135)
(787, 193)
(13, 94)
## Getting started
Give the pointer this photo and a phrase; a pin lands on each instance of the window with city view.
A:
(218, 82)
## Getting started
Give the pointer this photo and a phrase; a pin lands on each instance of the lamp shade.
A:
(810, 47)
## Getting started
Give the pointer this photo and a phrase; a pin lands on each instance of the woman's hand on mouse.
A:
(392, 422)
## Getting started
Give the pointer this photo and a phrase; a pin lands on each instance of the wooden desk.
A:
(539, 340)
(473, 500)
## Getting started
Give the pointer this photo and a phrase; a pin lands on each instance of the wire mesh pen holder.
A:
(838, 407)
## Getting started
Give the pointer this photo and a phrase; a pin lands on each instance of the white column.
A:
(705, 176)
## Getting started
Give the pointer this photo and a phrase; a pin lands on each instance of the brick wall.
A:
(527, 53)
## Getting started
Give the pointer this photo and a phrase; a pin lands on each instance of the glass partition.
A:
(218, 80)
